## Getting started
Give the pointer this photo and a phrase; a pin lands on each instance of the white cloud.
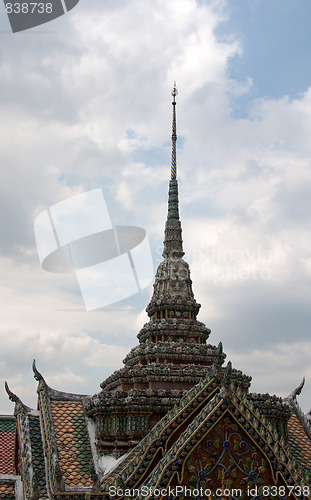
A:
(278, 370)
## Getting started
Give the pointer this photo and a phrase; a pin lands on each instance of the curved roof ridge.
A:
(292, 401)
(19, 405)
(55, 394)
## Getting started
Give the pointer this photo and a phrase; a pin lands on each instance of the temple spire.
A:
(174, 134)
(173, 286)
(172, 237)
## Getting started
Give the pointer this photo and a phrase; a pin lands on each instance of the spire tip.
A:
(174, 91)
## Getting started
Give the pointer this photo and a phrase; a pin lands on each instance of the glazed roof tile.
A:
(37, 453)
(7, 438)
(7, 491)
(299, 441)
(74, 452)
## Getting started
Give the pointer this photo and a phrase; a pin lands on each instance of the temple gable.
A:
(213, 442)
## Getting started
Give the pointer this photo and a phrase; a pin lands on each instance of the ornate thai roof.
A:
(70, 466)
(29, 449)
(212, 417)
(188, 445)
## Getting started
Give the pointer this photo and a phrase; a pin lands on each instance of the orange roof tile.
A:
(7, 438)
(73, 446)
(299, 440)
(7, 488)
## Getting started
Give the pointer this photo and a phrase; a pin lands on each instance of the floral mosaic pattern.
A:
(227, 456)
(228, 459)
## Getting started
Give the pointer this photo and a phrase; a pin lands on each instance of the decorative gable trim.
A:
(27, 472)
(258, 431)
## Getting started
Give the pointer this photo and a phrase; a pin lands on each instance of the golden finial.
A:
(174, 91)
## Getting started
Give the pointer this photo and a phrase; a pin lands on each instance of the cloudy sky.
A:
(85, 103)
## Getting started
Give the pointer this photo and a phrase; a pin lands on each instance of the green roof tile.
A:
(37, 452)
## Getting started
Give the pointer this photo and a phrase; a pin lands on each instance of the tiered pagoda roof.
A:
(172, 355)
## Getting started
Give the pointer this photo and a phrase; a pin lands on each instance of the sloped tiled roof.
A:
(299, 430)
(300, 443)
(70, 465)
(29, 448)
(37, 453)
(7, 438)
(74, 452)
